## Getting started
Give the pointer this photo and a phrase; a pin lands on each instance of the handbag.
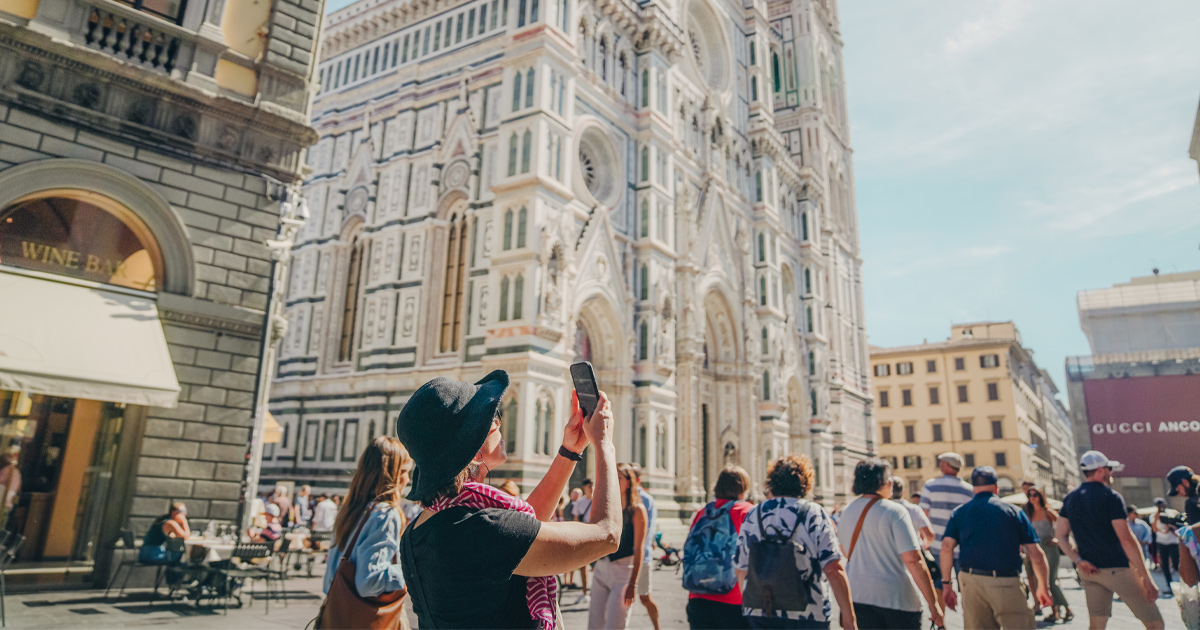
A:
(345, 608)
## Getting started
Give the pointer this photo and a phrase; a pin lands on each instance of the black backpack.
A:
(773, 581)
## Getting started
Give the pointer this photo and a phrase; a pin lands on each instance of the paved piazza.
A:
(72, 609)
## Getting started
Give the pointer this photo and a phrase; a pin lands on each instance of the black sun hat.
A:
(444, 424)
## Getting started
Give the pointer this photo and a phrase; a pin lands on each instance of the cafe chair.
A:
(128, 541)
(8, 554)
(240, 568)
(314, 549)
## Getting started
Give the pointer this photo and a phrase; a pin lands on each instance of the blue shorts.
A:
(158, 555)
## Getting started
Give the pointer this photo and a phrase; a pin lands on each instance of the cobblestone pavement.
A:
(89, 609)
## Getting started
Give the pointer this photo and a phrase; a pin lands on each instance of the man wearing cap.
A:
(1182, 480)
(992, 534)
(939, 498)
(1108, 556)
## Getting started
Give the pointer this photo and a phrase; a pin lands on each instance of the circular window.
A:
(73, 233)
(598, 167)
(710, 61)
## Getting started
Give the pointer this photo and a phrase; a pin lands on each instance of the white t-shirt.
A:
(916, 515)
(583, 509)
(876, 570)
(1162, 532)
(324, 515)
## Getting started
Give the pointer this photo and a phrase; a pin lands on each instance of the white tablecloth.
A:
(216, 549)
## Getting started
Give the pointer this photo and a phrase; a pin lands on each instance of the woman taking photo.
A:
(364, 584)
(1043, 519)
(616, 575)
(477, 557)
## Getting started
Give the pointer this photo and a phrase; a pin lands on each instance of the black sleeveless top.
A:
(154, 536)
(626, 548)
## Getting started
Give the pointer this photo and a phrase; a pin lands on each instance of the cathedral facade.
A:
(663, 188)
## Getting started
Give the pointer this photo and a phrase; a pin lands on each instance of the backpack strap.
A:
(858, 528)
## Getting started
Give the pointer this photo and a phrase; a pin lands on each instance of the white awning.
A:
(62, 339)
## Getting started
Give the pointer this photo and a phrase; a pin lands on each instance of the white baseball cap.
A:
(1093, 460)
(272, 509)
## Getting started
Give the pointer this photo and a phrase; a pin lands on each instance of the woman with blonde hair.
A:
(364, 583)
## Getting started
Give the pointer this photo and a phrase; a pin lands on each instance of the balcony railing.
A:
(130, 35)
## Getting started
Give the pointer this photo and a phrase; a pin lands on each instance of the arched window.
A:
(766, 385)
(537, 428)
(518, 296)
(775, 70)
(758, 188)
(812, 397)
(812, 363)
(645, 218)
(529, 82)
(521, 227)
(553, 89)
(511, 421)
(643, 342)
(766, 346)
(526, 148)
(503, 300)
(516, 100)
(350, 301)
(604, 58)
(512, 155)
(660, 437)
(645, 282)
(753, 89)
(521, 13)
(645, 164)
(807, 281)
(753, 56)
(456, 267)
(762, 247)
(547, 426)
(762, 290)
(642, 445)
(808, 319)
(533, 11)
(508, 228)
(566, 15)
(804, 226)
(646, 88)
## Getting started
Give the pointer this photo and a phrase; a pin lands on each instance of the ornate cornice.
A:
(211, 322)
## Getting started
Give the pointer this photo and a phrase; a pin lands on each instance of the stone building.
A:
(980, 394)
(144, 151)
(663, 188)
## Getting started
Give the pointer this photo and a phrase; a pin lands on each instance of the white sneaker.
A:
(582, 599)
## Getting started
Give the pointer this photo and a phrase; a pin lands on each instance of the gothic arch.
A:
(598, 318)
(32, 178)
(721, 330)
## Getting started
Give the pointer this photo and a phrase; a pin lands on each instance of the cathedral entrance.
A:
(599, 340)
(719, 415)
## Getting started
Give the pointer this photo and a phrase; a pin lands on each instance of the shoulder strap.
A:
(858, 528)
(362, 521)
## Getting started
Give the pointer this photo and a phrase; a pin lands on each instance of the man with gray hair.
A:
(939, 499)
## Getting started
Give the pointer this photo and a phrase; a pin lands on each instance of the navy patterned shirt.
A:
(818, 535)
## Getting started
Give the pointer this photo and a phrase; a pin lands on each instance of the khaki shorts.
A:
(644, 578)
(1099, 589)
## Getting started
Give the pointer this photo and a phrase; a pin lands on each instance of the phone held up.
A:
(585, 386)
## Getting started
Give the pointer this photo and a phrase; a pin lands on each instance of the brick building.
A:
(146, 157)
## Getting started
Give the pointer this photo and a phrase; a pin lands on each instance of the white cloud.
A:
(1001, 18)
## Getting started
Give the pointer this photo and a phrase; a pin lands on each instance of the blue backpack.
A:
(708, 553)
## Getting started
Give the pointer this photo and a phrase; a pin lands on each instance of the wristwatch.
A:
(571, 455)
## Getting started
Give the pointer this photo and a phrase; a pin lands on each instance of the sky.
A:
(1009, 154)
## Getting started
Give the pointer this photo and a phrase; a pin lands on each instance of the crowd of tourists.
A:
(472, 555)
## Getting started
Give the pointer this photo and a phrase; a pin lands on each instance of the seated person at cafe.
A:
(174, 524)
(273, 530)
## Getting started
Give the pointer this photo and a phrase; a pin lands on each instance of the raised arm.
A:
(562, 547)
(544, 497)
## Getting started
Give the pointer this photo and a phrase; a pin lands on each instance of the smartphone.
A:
(585, 385)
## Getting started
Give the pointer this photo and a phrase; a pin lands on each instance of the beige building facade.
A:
(979, 394)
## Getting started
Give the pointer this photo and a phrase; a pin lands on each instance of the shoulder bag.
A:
(345, 608)
(858, 528)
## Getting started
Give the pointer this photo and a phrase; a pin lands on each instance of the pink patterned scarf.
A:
(541, 593)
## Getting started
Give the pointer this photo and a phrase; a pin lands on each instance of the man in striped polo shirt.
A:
(939, 499)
